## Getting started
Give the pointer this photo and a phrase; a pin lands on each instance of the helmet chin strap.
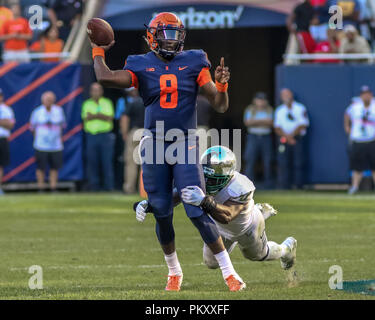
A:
(165, 54)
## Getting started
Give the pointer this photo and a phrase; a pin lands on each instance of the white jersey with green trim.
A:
(240, 189)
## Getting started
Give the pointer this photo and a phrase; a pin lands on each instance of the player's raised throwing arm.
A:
(106, 76)
(216, 92)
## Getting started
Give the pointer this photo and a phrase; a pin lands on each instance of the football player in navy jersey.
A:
(168, 80)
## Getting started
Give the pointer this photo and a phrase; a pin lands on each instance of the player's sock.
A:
(275, 251)
(173, 264)
(225, 264)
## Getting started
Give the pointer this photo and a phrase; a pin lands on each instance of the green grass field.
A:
(90, 246)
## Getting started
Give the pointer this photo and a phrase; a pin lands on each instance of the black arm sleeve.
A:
(209, 204)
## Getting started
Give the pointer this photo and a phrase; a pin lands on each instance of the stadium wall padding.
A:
(23, 86)
(326, 91)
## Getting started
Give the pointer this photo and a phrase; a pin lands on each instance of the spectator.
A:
(258, 120)
(354, 43)
(329, 46)
(49, 43)
(359, 123)
(15, 34)
(97, 116)
(350, 10)
(119, 150)
(7, 122)
(5, 15)
(366, 18)
(291, 122)
(47, 122)
(319, 24)
(121, 104)
(131, 120)
(371, 6)
(298, 23)
(203, 122)
(63, 14)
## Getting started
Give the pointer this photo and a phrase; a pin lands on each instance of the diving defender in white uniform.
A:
(229, 201)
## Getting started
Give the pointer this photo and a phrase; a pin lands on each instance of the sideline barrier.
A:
(23, 85)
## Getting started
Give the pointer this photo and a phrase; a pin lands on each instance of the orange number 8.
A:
(168, 90)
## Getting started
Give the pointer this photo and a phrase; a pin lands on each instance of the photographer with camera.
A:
(290, 123)
(359, 124)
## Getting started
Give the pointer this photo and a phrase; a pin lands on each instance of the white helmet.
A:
(219, 165)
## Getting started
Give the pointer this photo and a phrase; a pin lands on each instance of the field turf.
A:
(90, 246)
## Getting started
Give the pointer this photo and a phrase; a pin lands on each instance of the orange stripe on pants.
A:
(142, 191)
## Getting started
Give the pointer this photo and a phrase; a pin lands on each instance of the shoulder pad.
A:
(135, 62)
(240, 189)
(201, 57)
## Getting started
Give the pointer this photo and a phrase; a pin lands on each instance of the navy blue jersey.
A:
(169, 89)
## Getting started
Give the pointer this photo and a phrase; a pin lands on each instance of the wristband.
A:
(208, 204)
(97, 51)
(221, 87)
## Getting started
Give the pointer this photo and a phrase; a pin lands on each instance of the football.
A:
(100, 32)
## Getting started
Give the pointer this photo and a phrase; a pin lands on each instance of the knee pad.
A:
(164, 230)
(254, 256)
(251, 257)
(207, 228)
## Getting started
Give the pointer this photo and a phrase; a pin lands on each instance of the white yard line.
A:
(152, 266)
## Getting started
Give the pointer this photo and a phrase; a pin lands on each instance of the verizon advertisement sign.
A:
(195, 19)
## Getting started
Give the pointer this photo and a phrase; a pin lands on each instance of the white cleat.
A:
(267, 210)
(289, 259)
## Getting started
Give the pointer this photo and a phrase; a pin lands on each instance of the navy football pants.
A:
(160, 178)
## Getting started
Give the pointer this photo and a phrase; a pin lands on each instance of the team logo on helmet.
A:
(219, 164)
(166, 35)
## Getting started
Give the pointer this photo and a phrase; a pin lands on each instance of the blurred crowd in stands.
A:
(19, 38)
(275, 155)
(314, 30)
(289, 123)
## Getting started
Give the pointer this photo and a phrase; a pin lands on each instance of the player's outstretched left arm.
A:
(223, 213)
(216, 92)
(107, 77)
